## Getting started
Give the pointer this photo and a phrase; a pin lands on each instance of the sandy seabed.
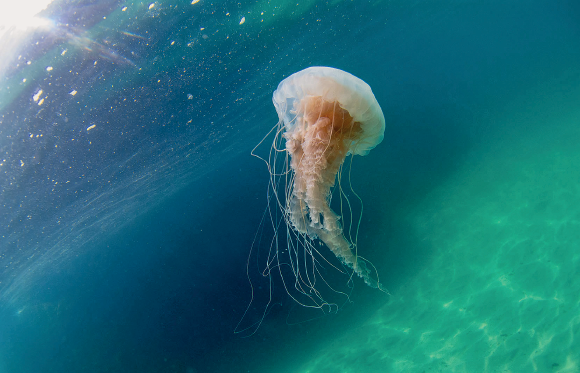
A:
(501, 292)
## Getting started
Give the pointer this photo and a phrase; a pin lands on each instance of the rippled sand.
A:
(501, 292)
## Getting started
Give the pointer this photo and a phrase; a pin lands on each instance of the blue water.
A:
(129, 199)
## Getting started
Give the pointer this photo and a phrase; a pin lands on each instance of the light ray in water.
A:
(133, 35)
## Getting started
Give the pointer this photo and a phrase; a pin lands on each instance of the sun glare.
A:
(22, 15)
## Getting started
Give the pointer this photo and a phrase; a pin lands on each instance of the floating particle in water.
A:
(37, 95)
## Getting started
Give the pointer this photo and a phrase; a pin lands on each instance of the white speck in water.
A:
(37, 95)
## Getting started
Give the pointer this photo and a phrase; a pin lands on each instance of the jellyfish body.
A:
(325, 115)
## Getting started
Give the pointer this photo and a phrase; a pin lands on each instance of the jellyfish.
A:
(325, 115)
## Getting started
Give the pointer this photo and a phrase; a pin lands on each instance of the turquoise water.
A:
(128, 209)
(493, 285)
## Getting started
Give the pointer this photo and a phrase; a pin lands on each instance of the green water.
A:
(498, 288)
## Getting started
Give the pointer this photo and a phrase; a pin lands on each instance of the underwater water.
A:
(129, 199)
